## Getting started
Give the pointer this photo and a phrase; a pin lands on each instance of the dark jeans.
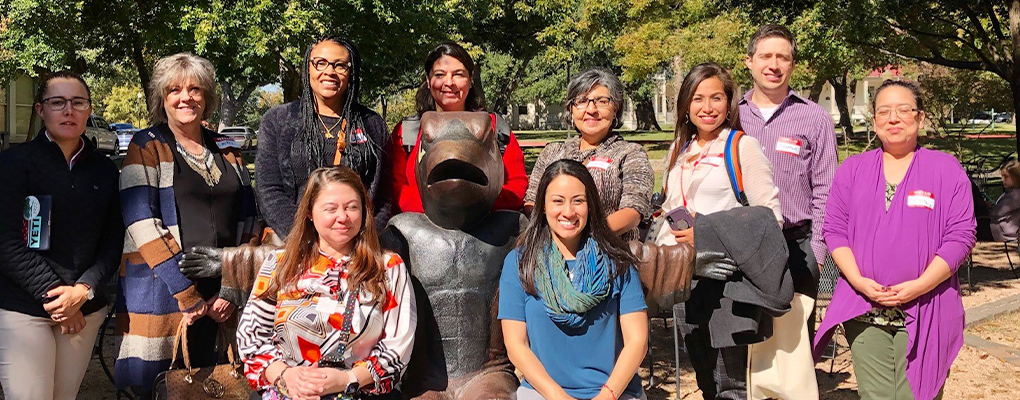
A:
(803, 267)
(720, 373)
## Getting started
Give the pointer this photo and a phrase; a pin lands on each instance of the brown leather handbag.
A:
(224, 381)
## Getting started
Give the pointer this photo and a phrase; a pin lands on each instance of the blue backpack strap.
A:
(732, 156)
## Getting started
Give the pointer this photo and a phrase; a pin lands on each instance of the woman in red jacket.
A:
(448, 86)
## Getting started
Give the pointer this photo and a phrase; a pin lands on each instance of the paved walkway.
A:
(981, 313)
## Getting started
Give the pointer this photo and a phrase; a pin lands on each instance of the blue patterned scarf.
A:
(567, 297)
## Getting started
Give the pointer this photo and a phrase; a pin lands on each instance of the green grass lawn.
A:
(656, 143)
(964, 148)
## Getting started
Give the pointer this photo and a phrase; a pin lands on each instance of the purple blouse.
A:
(931, 214)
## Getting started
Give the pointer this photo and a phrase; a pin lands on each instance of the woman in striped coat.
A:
(185, 193)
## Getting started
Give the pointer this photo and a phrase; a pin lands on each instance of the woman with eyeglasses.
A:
(899, 222)
(621, 169)
(60, 241)
(325, 127)
(451, 84)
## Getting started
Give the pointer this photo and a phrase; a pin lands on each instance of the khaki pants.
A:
(782, 367)
(37, 362)
(880, 361)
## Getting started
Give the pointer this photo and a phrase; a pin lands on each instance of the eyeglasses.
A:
(341, 67)
(57, 103)
(903, 111)
(581, 103)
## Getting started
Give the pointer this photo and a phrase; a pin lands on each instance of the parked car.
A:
(985, 118)
(124, 133)
(97, 129)
(243, 135)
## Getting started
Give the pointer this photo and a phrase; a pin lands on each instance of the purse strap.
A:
(337, 355)
(181, 342)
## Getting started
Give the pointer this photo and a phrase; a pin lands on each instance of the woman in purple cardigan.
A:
(899, 222)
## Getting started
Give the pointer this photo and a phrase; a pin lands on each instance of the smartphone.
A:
(679, 218)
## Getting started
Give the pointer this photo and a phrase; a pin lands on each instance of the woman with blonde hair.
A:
(186, 193)
(331, 315)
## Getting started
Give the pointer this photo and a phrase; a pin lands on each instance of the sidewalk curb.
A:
(985, 312)
(976, 315)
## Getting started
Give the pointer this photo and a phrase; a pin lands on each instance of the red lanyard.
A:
(704, 153)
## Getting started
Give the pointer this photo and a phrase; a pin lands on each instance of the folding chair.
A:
(826, 285)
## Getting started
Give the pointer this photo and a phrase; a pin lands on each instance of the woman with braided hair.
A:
(325, 127)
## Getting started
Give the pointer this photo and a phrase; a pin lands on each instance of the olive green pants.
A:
(880, 361)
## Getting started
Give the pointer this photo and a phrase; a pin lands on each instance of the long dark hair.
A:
(365, 271)
(538, 236)
(685, 129)
(423, 100)
(357, 156)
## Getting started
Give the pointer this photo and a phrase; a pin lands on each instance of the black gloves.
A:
(714, 265)
(201, 262)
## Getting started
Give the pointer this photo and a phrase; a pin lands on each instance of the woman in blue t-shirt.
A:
(571, 305)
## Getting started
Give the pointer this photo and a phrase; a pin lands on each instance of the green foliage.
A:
(257, 105)
(126, 104)
(399, 105)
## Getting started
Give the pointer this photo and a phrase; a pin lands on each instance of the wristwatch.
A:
(89, 293)
(353, 386)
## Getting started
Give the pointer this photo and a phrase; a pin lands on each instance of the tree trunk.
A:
(644, 112)
(816, 88)
(231, 105)
(290, 82)
(1014, 74)
(839, 86)
(382, 106)
(1014, 86)
(138, 60)
(502, 101)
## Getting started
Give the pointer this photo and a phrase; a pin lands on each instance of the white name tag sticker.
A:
(714, 160)
(921, 199)
(226, 143)
(789, 146)
(602, 163)
(326, 305)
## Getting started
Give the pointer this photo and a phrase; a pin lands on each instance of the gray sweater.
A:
(281, 166)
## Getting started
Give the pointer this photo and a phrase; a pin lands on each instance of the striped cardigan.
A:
(153, 291)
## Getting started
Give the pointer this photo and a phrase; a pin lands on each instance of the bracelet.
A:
(611, 392)
(281, 385)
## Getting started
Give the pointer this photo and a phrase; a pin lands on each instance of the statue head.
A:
(459, 167)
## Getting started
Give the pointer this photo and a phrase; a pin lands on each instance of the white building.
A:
(16, 100)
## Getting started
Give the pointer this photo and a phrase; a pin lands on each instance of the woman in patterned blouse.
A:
(621, 169)
(331, 315)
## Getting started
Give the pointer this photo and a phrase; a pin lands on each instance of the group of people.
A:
(333, 314)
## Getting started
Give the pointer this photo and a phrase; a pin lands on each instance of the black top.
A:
(86, 227)
(206, 216)
(281, 165)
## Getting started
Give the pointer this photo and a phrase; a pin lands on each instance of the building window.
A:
(522, 109)
(23, 99)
